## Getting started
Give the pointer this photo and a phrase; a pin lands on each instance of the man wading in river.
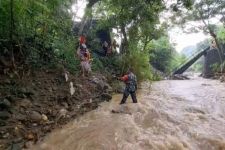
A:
(131, 86)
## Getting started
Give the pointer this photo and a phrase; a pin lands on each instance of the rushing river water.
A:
(170, 115)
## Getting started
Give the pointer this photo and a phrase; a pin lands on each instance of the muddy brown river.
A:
(170, 115)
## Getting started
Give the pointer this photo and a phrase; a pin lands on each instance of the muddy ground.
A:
(35, 105)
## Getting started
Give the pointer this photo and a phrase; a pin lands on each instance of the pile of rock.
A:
(103, 86)
(178, 77)
(33, 107)
(222, 78)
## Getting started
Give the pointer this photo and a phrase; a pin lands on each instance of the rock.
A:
(62, 112)
(10, 98)
(65, 105)
(222, 78)
(18, 140)
(23, 90)
(119, 111)
(106, 97)
(109, 90)
(17, 131)
(28, 144)
(72, 89)
(25, 103)
(179, 77)
(16, 146)
(26, 91)
(100, 83)
(44, 117)
(106, 86)
(47, 128)
(5, 136)
(5, 104)
(30, 136)
(4, 115)
(49, 89)
(79, 86)
(35, 116)
(7, 81)
(34, 124)
(54, 88)
(37, 104)
(2, 123)
(20, 117)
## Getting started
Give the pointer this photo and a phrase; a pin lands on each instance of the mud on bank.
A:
(35, 105)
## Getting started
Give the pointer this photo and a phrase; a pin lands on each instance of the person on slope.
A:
(85, 59)
(82, 39)
(105, 47)
(131, 86)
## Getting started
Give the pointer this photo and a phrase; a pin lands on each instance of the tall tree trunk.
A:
(219, 50)
(11, 33)
(85, 17)
(146, 42)
(124, 45)
(211, 32)
(82, 24)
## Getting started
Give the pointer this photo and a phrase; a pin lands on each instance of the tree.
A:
(137, 20)
(33, 30)
(161, 53)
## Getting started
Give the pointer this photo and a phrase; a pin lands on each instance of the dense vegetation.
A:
(37, 33)
(34, 33)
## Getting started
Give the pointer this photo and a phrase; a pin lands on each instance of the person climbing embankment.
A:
(84, 56)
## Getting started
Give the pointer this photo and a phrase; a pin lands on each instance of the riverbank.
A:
(33, 106)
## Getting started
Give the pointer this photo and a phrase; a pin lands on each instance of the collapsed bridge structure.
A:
(211, 57)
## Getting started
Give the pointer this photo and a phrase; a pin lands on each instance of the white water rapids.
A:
(171, 115)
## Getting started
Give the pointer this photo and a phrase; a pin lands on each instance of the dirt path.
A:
(173, 115)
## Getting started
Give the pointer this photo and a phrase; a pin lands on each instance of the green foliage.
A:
(40, 32)
(97, 65)
(139, 61)
(137, 20)
(119, 64)
(161, 53)
(198, 66)
(221, 34)
(176, 61)
(41, 29)
(215, 67)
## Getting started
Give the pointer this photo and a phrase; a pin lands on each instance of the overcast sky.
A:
(183, 40)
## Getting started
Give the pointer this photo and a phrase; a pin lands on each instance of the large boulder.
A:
(35, 116)
(102, 84)
(5, 104)
(26, 91)
(106, 97)
(179, 77)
